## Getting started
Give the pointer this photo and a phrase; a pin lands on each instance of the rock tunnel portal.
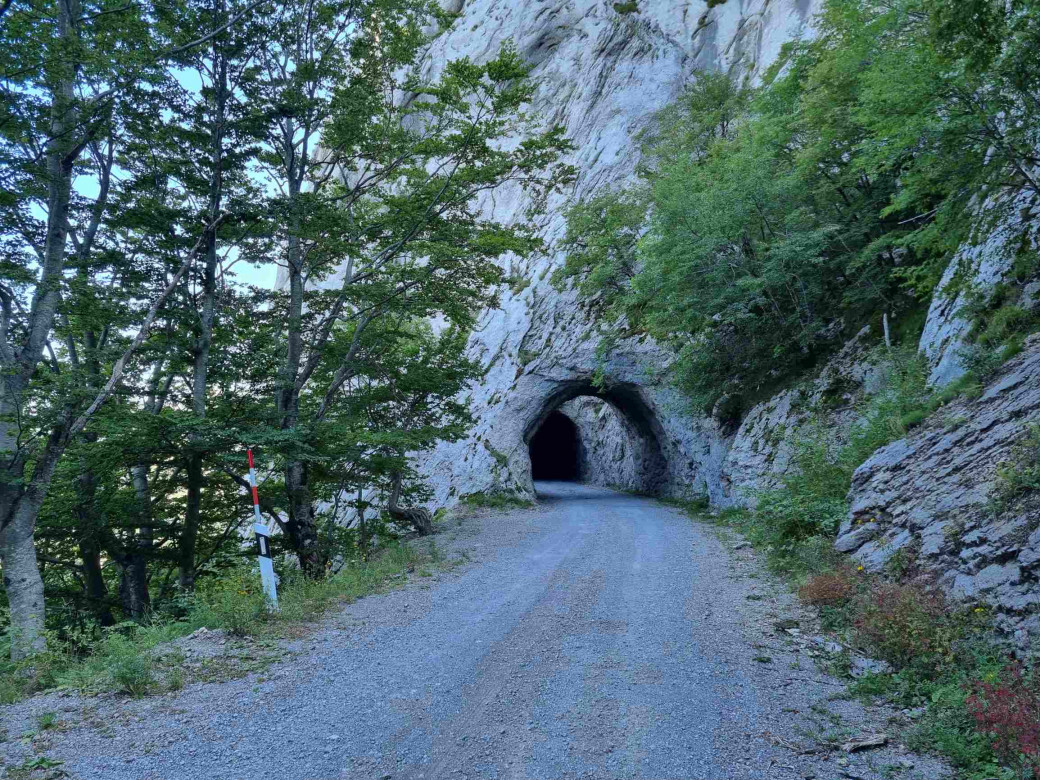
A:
(604, 436)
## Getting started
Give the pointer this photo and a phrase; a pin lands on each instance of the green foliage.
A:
(126, 658)
(495, 500)
(1020, 475)
(177, 173)
(627, 7)
(771, 224)
(797, 521)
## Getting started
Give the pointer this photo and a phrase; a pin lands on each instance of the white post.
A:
(263, 541)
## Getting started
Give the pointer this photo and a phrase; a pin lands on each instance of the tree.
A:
(378, 178)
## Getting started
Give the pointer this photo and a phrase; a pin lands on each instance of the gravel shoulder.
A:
(598, 635)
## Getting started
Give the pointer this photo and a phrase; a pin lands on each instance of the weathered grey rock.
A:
(602, 75)
(930, 495)
(985, 261)
(608, 444)
(761, 451)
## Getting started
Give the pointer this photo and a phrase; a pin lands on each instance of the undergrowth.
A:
(972, 704)
(495, 500)
(128, 658)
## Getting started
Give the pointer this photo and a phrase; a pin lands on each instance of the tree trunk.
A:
(418, 518)
(88, 531)
(133, 574)
(200, 375)
(133, 582)
(94, 581)
(190, 531)
(23, 583)
(300, 529)
(20, 503)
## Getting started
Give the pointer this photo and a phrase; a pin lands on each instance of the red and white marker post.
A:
(263, 540)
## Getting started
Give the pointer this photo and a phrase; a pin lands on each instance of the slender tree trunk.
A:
(20, 504)
(94, 580)
(200, 378)
(89, 528)
(300, 528)
(133, 575)
(133, 582)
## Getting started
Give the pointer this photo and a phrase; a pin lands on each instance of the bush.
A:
(1007, 709)
(235, 601)
(118, 662)
(1021, 474)
(830, 589)
(909, 625)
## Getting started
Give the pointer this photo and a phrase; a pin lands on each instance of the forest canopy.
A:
(146, 150)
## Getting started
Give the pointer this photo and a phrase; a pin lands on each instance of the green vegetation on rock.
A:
(772, 223)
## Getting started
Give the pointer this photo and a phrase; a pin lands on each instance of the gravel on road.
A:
(598, 635)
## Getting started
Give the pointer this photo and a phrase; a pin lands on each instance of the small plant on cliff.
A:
(1007, 710)
(628, 7)
(1021, 473)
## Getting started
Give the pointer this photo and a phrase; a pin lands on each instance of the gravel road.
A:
(597, 636)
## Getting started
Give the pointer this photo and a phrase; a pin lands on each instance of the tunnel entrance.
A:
(611, 438)
(555, 449)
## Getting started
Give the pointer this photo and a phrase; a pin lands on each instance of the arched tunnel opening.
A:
(555, 450)
(606, 436)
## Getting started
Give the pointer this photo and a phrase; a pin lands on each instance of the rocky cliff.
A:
(942, 500)
(926, 501)
(603, 71)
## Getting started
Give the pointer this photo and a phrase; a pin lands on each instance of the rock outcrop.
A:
(603, 72)
(607, 444)
(1004, 228)
(929, 500)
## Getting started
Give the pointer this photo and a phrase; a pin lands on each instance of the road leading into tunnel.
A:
(599, 635)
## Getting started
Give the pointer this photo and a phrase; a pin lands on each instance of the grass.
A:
(138, 660)
(495, 500)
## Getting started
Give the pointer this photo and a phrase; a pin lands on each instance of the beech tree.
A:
(378, 177)
(147, 150)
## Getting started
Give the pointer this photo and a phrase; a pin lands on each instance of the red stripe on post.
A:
(250, 453)
(256, 498)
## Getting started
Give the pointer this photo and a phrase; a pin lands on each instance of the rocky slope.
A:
(932, 501)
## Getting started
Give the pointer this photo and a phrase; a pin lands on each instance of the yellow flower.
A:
(859, 568)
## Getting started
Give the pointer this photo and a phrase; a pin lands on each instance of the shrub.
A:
(1021, 474)
(830, 589)
(118, 662)
(909, 625)
(1005, 322)
(1007, 709)
(234, 601)
(129, 667)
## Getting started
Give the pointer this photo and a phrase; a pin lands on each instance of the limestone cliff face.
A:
(1004, 227)
(602, 74)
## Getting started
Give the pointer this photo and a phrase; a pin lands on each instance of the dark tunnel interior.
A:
(555, 449)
